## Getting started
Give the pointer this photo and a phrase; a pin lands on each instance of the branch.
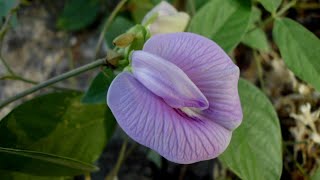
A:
(54, 80)
(107, 24)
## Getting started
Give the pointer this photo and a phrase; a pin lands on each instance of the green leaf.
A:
(155, 158)
(38, 163)
(224, 21)
(119, 26)
(98, 88)
(5, 7)
(316, 175)
(78, 14)
(256, 39)
(139, 8)
(58, 124)
(255, 148)
(270, 5)
(300, 50)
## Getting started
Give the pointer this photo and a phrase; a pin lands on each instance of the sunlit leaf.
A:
(255, 148)
(224, 21)
(300, 50)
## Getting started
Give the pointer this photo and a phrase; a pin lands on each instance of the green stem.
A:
(260, 71)
(107, 24)
(6, 65)
(19, 78)
(192, 7)
(14, 77)
(286, 8)
(54, 80)
(120, 160)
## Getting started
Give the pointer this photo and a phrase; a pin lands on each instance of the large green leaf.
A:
(255, 148)
(224, 21)
(98, 88)
(270, 5)
(300, 50)
(78, 14)
(58, 124)
(38, 163)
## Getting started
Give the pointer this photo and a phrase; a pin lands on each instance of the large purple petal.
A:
(147, 119)
(209, 67)
(167, 81)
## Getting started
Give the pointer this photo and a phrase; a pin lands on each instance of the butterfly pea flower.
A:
(180, 97)
(164, 18)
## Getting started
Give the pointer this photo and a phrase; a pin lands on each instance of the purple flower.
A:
(181, 98)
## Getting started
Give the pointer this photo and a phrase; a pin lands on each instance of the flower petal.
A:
(150, 121)
(170, 24)
(167, 81)
(163, 9)
(209, 67)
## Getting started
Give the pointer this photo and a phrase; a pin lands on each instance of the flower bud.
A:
(164, 18)
(124, 40)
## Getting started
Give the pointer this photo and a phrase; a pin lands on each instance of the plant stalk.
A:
(107, 25)
(54, 80)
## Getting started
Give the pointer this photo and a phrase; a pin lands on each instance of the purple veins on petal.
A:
(181, 98)
(167, 81)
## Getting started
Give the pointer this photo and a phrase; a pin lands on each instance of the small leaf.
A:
(224, 21)
(119, 26)
(256, 39)
(155, 158)
(5, 7)
(255, 148)
(39, 163)
(58, 124)
(97, 92)
(139, 8)
(78, 14)
(300, 50)
(270, 5)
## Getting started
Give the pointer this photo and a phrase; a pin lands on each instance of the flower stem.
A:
(54, 80)
(192, 7)
(107, 25)
(260, 71)
(120, 160)
(6, 65)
